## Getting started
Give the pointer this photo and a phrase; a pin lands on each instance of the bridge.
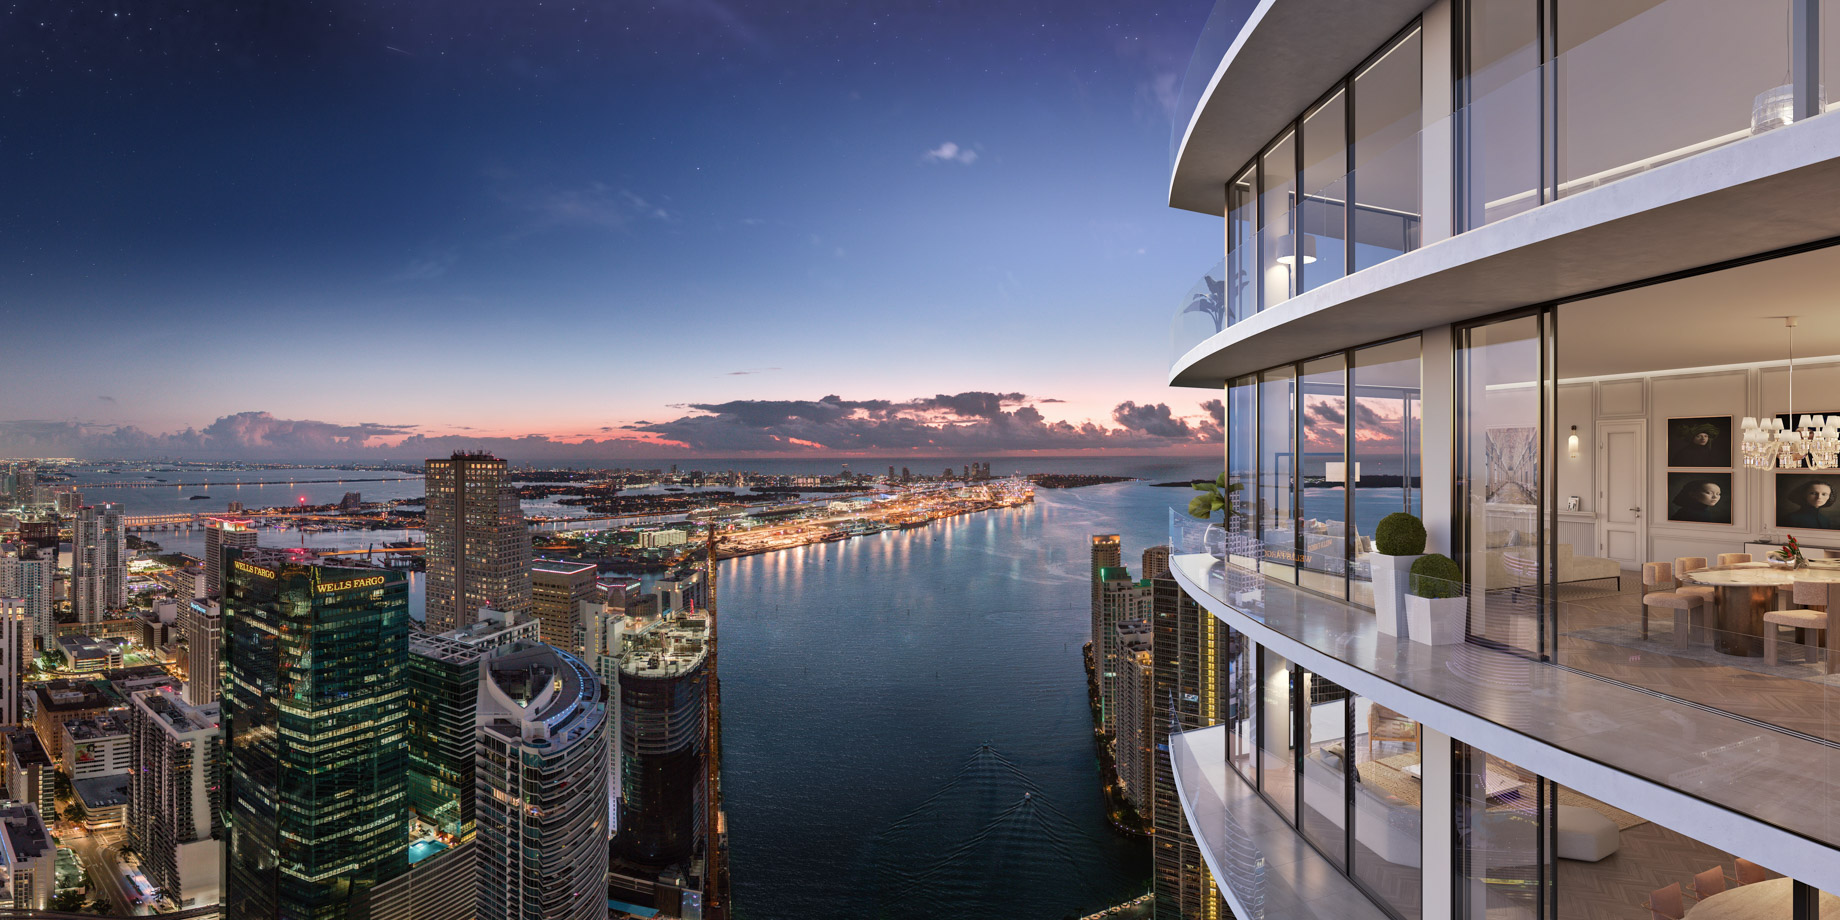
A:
(212, 912)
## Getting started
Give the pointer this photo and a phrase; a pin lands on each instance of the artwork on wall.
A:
(1699, 498)
(1512, 461)
(1700, 442)
(1806, 500)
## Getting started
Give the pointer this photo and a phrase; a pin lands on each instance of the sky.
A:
(594, 230)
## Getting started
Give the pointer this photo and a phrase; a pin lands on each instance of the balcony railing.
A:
(1222, 28)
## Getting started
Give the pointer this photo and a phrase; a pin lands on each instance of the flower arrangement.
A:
(1790, 553)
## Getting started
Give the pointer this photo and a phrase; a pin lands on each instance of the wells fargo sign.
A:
(242, 566)
(369, 581)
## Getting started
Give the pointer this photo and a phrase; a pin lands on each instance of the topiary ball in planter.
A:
(1437, 576)
(1399, 534)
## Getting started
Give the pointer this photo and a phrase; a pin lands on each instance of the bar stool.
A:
(1807, 594)
(1655, 574)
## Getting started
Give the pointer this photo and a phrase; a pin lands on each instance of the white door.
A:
(1622, 488)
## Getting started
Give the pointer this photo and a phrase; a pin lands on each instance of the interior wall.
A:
(1735, 392)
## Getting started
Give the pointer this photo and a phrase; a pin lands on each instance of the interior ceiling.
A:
(1706, 321)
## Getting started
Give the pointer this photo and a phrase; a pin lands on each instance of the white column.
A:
(1437, 177)
(1438, 410)
(1438, 861)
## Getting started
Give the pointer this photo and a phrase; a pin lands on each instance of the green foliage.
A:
(1436, 575)
(1400, 534)
(1215, 496)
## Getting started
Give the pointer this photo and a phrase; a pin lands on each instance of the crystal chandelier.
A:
(1813, 442)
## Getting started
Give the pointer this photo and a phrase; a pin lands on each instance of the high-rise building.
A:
(21, 483)
(175, 796)
(221, 533)
(1107, 553)
(1464, 281)
(542, 785)
(1121, 600)
(478, 551)
(99, 563)
(663, 782)
(443, 702)
(97, 746)
(31, 775)
(1132, 748)
(315, 705)
(560, 593)
(28, 857)
(201, 628)
(29, 574)
(15, 655)
(1156, 562)
(1188, 693)
(68, 501)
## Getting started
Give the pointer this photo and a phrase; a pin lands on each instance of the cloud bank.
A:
(942, 424)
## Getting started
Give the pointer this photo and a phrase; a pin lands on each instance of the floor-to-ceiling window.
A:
(1388, 108)
(1384, 421)
(1322, 475)
(1325, 769)
(1322, 256)
(1242, 470)
(1277, 732)
(1277, 472)
(1504, 538)
(1242, 246)
(1499, 83)
(1504, 860)
(1277, 217)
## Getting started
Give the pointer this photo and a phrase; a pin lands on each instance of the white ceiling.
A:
(1707, 321)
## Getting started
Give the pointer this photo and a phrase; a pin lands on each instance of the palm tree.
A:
(1211, 300)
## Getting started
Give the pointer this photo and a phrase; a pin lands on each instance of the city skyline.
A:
(269, 191)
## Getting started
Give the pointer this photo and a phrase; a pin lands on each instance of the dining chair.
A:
(1733, 558)
(1667, 902)
(1749, 873)
(1656, 574)
(1807, 595)
(1687, 565)
(1708, 883)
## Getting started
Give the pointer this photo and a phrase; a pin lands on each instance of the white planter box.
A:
(1436, 620)
(1391, 575)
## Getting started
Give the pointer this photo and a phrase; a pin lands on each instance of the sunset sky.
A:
(688, 227)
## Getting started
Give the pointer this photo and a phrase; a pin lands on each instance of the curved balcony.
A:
(1757, 786)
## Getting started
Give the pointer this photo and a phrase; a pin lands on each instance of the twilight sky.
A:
(688, 227)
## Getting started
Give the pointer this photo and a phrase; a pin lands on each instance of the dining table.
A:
(1747, 591)
(1768, 900)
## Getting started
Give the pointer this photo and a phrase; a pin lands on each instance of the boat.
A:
(197, 497)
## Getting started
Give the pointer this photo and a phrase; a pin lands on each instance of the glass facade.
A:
(1318, 472)
(315, 705)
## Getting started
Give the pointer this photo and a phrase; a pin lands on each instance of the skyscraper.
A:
(1107, 553)
(542, 786)
(443, 705)
(218, 534)
(478, 546)
(1132, 748)
(201, 627)
(560, 592)
(663, 697)
(175, 799)
(1187, 693)
(99, 562)
(1156, 562)
(1121, 601)
(314, 707)
(28, 573)
(15, 653)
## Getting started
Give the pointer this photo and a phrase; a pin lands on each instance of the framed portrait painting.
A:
(1699, 498)
(1700, 442)
(1807, 501)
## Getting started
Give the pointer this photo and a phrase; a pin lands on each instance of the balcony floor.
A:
(1767, 791)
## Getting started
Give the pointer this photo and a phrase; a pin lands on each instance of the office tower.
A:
(68, 501)
(1399, 327)
(15, 655)
(478, 546)
(1121, 601)
(31, 775)
(201, 628)
(443, 701)
(175, 796)
(663, 693)
(542, 786)
(1188, 692)
(559, 593)
(29, 574)
(28, 857)
(314, 705)
(99, 563)
(1132, 747)
(220, 533)
(1156, 562)
(1107, 553)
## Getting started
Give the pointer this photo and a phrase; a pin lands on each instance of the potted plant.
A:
(1436, 607)
(1399, 541)
(1216, 495)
